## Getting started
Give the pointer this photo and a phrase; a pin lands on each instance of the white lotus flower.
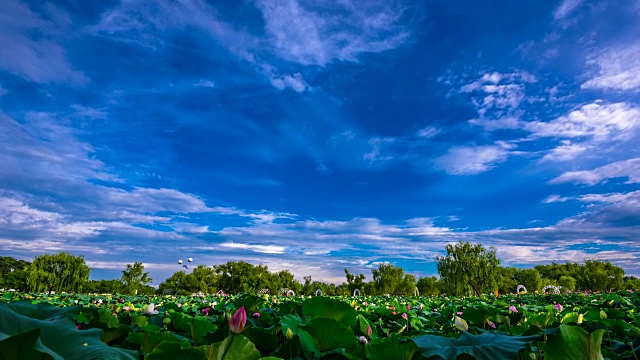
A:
(150, 309)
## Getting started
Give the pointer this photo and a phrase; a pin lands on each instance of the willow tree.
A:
(61, 272)
(468, 267)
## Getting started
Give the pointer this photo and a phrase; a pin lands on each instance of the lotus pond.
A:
(526, 326)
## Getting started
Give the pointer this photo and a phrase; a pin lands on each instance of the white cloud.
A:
(502, 123)
(566, 8)
(619, 69)
(266, 249)
(555, 198)
(307, 35)
(81, 111)
(205, 83)
(42, 150)
(378, 147)
(629, 169)
(295, 82)
(148, 200)
(565, 152)
(471, 160)
(428, 132)
(585, 130)
(499, 92)
(601, 122)
(39, 58)
(14, 212)
(315, 35)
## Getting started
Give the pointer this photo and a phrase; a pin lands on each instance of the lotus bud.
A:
(461, 324)
(289, 334)
(238, 320)
(363, 340)
(368, 331)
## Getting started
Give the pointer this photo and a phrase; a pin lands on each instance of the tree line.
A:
(466, 269)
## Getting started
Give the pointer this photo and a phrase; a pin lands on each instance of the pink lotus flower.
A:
(179, 305)
(558, 307)
(513, 308)
(205, 311)
(256, 314)
(126, 308)
(404, 315)
(459, 313)
(79, 327)
(368, 331)
(491, 324)
(394, 313)
(421, 306)
(408, 307)
(238, 320)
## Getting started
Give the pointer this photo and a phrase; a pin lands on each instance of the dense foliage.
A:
(467, 269)
(587, 325)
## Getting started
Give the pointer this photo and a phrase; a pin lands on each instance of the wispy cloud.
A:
(39, 58)
(597, 126)
(315, 35)
(566, 8)
(629, 169)
(293, 32)
(471, 160)
(618, 69)
(498, 92)
(266, 249)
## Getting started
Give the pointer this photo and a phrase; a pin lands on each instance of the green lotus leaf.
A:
(486, 346)
(391, 348)
(58, 332)
(574, 343)
(324, 307)
(323, 335)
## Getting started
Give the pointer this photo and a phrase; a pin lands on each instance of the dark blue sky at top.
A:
(316, 136)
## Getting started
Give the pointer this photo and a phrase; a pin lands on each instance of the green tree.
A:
(467, 266)
(102, 286)
(241, 276)
(506, 279)
(530, 278)
(428, 286)
(354, 281)
(180, 283)
(286, 280)
(307, 288)
(9, 264)
(391, 279)
(61, 272)
(16, 279)
(600, 276)
(567, 282)
(134, 279)
(555, 271)
(631, 283)
(205, 278)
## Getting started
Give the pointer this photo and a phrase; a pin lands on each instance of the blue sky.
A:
(316, 136)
